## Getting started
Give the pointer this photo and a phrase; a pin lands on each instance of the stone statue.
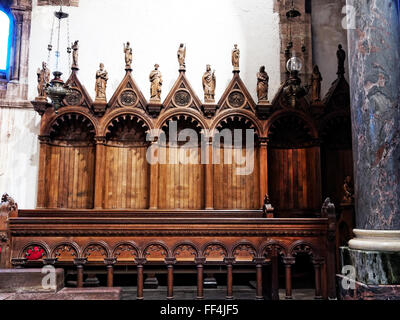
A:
(341, 56)
(182, 56)
(156, 84)
(209, 82)
(75, 49)
(348, 190)
(235, 57)
(101, 83)
(316, 79)
(128, 55)
(43, 79)
(262, 85)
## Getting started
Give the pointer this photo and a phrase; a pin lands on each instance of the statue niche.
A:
(70, 163)
(126, 167)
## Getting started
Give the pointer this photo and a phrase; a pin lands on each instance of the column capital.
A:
(318, 261)
(261, 260)
(229, 261)
(263, 141)
(288, 261)
(170, 260)
(80, 261)
(110, 261)
(50, 261)
(200, 260)
(140, 261)
(18, 262)
(100, 140)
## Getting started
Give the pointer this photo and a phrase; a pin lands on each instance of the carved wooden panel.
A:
(126, 178)
(65, 252)
(181, 186)
(294, 178)
(70, 177)
(231, 189)
(125, 252)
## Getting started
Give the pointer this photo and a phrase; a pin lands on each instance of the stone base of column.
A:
(369, 274)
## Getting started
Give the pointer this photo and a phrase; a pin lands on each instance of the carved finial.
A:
(268, 210)
(128, 56)
(181, 57)
(8, 202)
(209, 83)
(101, 83)
(236, 58)
(328, 208)
(75, 49)
(156, 84)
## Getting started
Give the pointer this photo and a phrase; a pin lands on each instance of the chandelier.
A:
(57, 90)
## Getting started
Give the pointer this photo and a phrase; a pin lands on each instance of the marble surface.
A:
(367, 292)
(374, 61)
(372, 267)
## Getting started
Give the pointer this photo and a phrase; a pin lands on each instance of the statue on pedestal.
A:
(348, 190)
(156, 84)
(262, 85)
(341, 56)
(128, 55)
(316, 79)
(75, 49)
(43, 80)
(101, 83)
(235, 58)
(209, 83)
(182, 56)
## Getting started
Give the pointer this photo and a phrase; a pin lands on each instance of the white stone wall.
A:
(155, 28)
(19, 155)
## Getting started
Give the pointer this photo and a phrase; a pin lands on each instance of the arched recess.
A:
(126, 169)
(235, 163)
(294, 173)
(6, 33)
(68, 156)
(181, 172)
(336, 155)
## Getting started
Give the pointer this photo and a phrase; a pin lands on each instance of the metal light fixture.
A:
(56, 89)
(293, 90)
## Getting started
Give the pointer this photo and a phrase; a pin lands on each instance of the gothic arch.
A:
(125, 246)
(37, 243)
(309, 122)
(188, 246)
(66, 244)
(69, 112)
(282, 249)
(99, 246)
(157, 244)
(245, 115)
(182, 112)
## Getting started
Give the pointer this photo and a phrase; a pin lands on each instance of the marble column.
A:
(374, 60)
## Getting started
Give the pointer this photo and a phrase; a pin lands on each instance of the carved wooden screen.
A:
(181, 178)
(293, 165)
(233, 187)
(69, 162)
(337, 155)
(126, 170)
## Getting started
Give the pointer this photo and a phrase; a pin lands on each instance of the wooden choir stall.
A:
(106, 201)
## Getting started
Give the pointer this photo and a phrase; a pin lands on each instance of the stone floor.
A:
(189, 293)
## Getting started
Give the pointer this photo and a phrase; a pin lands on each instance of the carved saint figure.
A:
(316, 79)
(348, 190)
(235, 57)
(101, 83)
(156, 84)
(341, 56)
(75, 49)
(262, 85)
(43, 79)
(209, 83)
(128, 55)
(182, 56)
